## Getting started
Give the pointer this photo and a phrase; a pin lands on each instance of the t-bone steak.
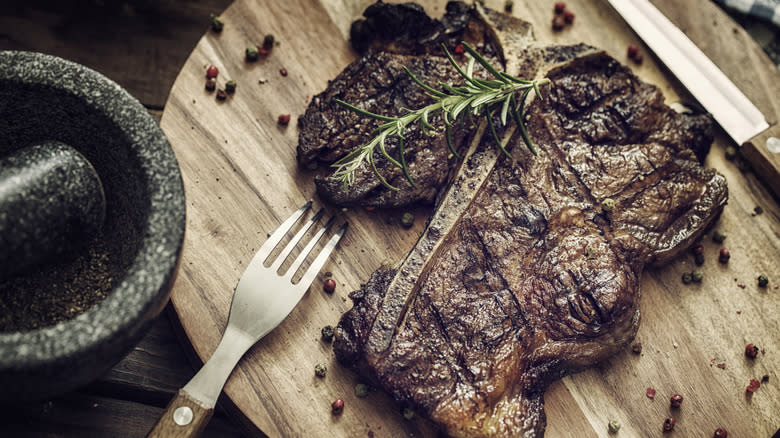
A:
(522, 274)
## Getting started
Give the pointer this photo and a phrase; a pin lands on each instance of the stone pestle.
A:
(51, 203)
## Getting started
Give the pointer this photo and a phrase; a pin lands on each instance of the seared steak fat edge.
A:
(520, 277)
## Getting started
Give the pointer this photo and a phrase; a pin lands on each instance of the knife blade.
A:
(733, 111)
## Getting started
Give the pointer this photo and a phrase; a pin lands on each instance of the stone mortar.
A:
(47, 98)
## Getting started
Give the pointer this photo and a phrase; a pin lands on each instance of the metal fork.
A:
(262, 300)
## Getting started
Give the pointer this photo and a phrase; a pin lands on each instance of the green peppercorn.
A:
(719, 236)
(614, 426)
(697, 276)
(230, 86)
(608, 205)
(408, 413)
(320, 370)
(361, 390)
(763, 280)
(216, 23)
(687, 277)
(252, 54)
(731, 153)
(407, 220)
(327, 333)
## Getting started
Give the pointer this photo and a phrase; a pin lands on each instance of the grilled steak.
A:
(377, 82)
(522, 274)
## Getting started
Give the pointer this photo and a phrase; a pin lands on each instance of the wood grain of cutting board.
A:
(242, 180)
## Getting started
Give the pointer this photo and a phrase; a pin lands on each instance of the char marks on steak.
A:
(521, 277)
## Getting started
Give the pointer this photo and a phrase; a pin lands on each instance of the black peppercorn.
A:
(763, 280)
(327, 333)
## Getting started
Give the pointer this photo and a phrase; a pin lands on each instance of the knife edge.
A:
(733, 111)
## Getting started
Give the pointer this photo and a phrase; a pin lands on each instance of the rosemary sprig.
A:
(476, 98)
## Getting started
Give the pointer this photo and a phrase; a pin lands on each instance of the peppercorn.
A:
(763, 280)
(268, 41)
(459, 49)
(211, 84)
(407, 220)
(753, 386)
(720, 433)
(613, 426)
(408, 413)
(230, 86)
(637, 348)
(650, 393)
(608, 205)
(719, 236)
(676, 400)
(724, 255)
(697, 275)
(558, 23)
(698, 259)
(252, 53)
(697, 249)
(751, 351)
(283, 71)
(320, 370)
(329, 285)
(669, 424)
(687, 277)
(216, 23)
(731, 153)
(327, 333)
(283, 119)
(361, 390)
(568, 16)
(508, 6)
(632, 51)
(559, 7)
(212, 71)
(337, 407)
(221, 94)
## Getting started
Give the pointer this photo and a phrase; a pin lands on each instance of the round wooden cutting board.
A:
(241, 181)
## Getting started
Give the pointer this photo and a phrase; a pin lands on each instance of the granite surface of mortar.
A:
(46, 98)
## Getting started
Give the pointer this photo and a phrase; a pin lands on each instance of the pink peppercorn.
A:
(720, 433)
(212, 72)
(329, 285)
(337, 407)
(724, 255)
(283, 119)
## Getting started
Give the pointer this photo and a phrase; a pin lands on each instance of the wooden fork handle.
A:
(184, 417)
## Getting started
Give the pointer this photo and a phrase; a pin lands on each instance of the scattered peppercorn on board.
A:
(237, 156)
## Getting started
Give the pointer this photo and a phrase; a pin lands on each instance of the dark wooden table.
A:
(141, 44)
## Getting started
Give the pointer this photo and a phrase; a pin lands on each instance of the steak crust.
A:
(521, 276)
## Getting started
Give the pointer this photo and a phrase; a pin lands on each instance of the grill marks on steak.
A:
(521, 277)
(377, 83)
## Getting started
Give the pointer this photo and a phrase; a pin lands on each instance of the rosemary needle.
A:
(476, 98)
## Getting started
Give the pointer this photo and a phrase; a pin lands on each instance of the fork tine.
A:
(278, 235)
(307, 249)
(294, 241)
(321, 258)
